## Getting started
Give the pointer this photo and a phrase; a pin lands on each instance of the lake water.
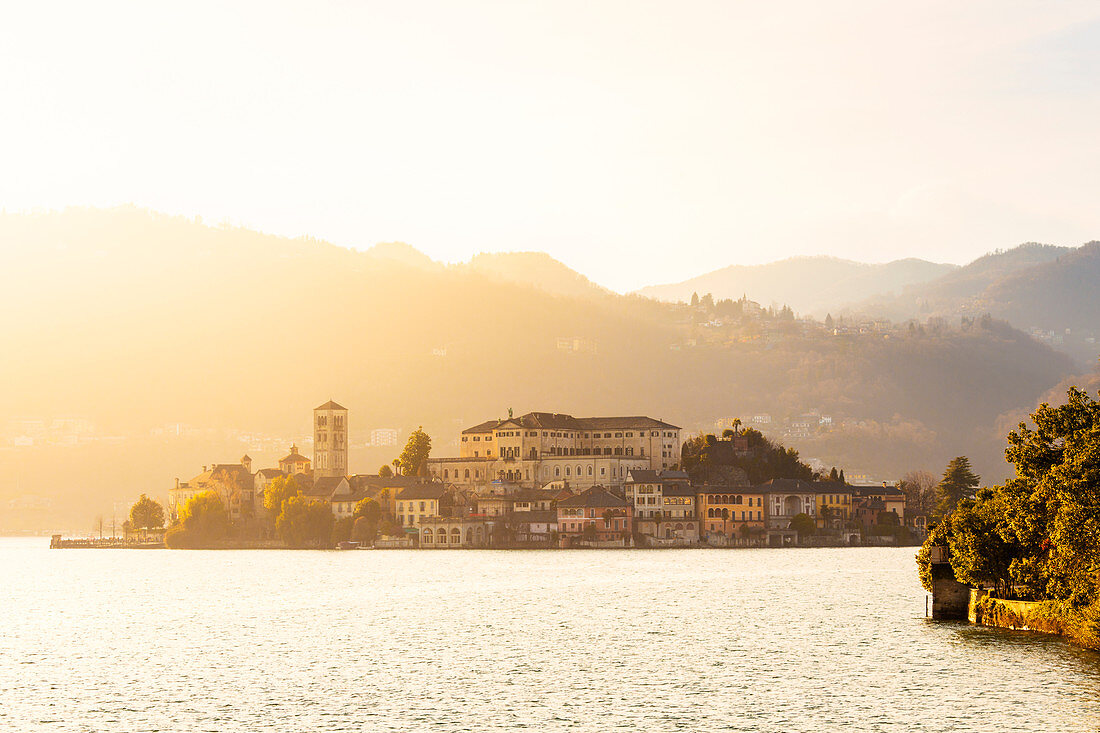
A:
(690, 640)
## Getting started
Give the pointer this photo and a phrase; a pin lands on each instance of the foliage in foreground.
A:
(1037, 536)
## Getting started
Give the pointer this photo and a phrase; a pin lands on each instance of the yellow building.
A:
(418, 502)
(724, 510)
(834, 505)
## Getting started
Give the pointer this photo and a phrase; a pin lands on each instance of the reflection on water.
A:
(754, 640)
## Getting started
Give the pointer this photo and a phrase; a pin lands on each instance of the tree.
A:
(369, 509)
(385, 471)
(341, 530)
(834, 476)
(277, 492)
(367, 516)
(363, 532)
(203, 520)
(919, 488)
(695, 300)
(804, 524)
(841, 478)
(304, 523)
(982, 544)
(589, 531)
(415, 455)
(829, 321)
(146, 514)
(958, 483)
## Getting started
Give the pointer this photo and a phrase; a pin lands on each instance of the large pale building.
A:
(540, 447)
(330, 440)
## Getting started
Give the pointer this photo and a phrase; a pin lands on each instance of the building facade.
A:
(330, 440)
(541, 447)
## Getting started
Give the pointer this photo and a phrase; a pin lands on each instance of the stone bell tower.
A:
(330, 440)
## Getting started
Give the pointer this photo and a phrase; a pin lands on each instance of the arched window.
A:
(590, 470)
(578, 470)
(467, 473)
(469, 536)
(557, 471)
(442, 538)
(428, 536)
(630, 451)
(444, 474)
(679, 526)
(456, 535)
(567, 470)
(618, 450)
(738, 499)
(607, 451)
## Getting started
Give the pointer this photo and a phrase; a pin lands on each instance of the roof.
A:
(327, 484)
(787, 486)
(294, 457)
(651, 476)
(330, 405)
(594, 497)
(561, 421)
(877, 490)
(678, 490)
(423, 491)
(270, 473)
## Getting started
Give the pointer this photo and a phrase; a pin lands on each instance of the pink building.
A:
(611, 518)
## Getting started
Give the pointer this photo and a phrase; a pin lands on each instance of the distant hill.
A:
(1056, 294)
(1039, 288)
(133, 320)
(809, 285)
(952, 292)
(537, 269)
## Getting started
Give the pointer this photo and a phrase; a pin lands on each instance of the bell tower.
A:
(330, 440)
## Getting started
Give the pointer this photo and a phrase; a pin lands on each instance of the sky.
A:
(638, 142)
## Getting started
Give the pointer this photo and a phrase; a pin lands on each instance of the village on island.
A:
(539, 480)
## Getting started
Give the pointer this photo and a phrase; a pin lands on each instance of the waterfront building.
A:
(892, 498)
(729, 512)
(541, 447)
(785, 498)
(330, 440)
(416, 502)
(534, 527)
(834, 505)
(452, 533)
(594, 515)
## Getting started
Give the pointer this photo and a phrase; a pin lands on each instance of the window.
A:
(421, 506)
(557, 471)
(467, 473)
(630, 435)
(618, 435)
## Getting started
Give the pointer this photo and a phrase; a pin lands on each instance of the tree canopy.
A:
(958, 483)
(146, 514)
(414, 457)
(304, 523)
(203, 520)
(277, 492)
(1038, 534)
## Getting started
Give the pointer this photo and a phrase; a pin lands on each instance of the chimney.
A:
(177, 482)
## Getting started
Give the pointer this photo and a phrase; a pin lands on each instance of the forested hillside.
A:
(132, 320)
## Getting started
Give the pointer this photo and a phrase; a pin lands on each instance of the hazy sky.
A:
(638, 142)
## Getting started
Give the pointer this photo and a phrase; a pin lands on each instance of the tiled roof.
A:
(270, 473)
(330, 405)
(678, 490)
(423, 491)
(594, 497)
(787, 486)
(559, 421)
